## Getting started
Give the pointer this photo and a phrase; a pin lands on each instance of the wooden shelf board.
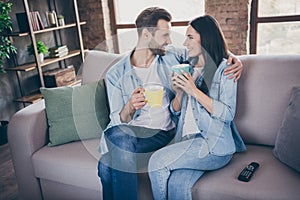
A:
(49, 61)
(17, 34)
(33, 98)
(47, 29)
(25, 68)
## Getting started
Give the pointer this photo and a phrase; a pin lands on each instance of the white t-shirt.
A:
(190, 126)
(155, 118)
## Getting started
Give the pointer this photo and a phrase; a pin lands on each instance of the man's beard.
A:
(157, 49)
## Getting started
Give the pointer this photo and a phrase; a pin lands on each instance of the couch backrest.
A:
(96, 65)
(263, 95)
(263, 90)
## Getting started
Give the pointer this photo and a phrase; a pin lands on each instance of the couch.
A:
(69, 171)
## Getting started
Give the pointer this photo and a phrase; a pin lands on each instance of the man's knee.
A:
(121, 137)
(104, 172)
(104, 165)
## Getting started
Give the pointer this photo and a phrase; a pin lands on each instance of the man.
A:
(136, 130)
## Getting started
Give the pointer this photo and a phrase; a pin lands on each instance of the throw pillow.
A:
(288, 138)
(76, 113)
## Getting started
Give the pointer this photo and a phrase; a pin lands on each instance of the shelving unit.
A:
(32, 34)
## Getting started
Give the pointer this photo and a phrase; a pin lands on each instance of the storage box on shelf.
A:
(60, 77)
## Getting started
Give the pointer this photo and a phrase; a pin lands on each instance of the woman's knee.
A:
(156, 161)
(152, 162)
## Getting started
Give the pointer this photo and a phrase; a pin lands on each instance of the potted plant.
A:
(61, 20)
(6, 47)
(41, 48)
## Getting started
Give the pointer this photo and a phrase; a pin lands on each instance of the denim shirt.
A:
(216, 128)
(121, 81)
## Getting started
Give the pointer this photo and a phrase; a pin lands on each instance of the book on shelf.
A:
(58, 55)
(58, 52)
(34, 18)
(36, 21)
(58, 49)
(33, 21)
(39, 19)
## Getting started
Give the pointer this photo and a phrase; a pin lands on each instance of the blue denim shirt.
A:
(121, 81)
(217, 128)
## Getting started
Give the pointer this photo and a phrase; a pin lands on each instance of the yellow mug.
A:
(154, 95)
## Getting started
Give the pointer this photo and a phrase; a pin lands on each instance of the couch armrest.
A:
(27, 132)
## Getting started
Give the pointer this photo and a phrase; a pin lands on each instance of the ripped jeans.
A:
(174, 169)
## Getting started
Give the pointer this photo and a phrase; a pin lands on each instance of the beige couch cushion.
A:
(96, 65)
(73, 163)
(288, 138)
(263, 95)
(272, 180)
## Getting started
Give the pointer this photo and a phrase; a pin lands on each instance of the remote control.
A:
(248, 171)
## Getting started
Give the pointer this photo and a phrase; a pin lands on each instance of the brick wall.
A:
(93, 32)
(233, 16)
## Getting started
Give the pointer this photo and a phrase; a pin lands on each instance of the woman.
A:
(204, 106)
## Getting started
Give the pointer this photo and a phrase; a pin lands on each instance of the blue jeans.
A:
(174, 169)
(130, 148)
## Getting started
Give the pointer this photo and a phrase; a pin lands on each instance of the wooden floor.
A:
(8, 185)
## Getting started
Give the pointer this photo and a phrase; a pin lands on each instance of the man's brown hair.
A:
(149, 18)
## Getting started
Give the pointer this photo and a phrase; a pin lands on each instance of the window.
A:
(275, 27)
(125, 15)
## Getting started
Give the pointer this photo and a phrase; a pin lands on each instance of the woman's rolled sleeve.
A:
(224, 107)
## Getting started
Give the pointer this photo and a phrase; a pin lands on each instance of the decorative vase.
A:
(51, 18)
(61, 21)
(41, 55)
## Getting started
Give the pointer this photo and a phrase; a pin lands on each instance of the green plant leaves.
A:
(41, 48)
(6, 47)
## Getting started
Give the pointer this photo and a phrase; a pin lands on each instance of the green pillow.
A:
(76, 113)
